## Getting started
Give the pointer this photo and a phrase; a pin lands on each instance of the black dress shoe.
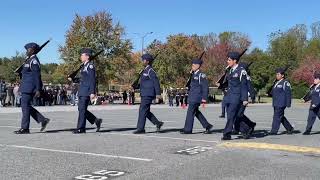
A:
(222, 116)
(22, 131)
(234, 132)
(208, 129)
(290, 131)
(159, 126)
(307, 132)
(139, 131)
(98, 124)
(247, 134)
(226, 137)
(252, 129)
(44, 124)
(79, 131)
(184, 132)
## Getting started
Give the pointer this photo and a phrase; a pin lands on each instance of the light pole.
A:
(142, 40)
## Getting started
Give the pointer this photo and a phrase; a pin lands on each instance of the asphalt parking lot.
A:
(116, 153)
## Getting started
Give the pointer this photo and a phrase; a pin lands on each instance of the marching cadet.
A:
(237, 95)
(198, 93)
(31, 85)
(314, 109)
(281, 99)
(241, 117)
(87, 91)
(149, 90)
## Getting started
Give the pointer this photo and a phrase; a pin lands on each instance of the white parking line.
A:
(163, 137)
(76, 152)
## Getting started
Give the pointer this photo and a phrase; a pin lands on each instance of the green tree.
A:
(47, 71)
(58, 76)
(262, 71)
(287, 47)
(8, 66)
(99, 32)
(173, 62)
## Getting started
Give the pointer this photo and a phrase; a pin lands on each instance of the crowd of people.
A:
(9, 94)
(60, 95)
(67, 95)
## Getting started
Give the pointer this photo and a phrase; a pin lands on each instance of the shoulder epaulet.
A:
(91, 66)
(33, 61)
(203, 75)
(286, 83)
(151, 69)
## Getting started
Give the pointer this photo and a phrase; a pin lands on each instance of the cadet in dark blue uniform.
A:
(314, 109)
(281, 99)
(149, 90)
(241, 117)
(87, 91)
(31, 85)
(198, 93)
(237, 94)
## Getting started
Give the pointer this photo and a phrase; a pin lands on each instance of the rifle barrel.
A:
(202, 54)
